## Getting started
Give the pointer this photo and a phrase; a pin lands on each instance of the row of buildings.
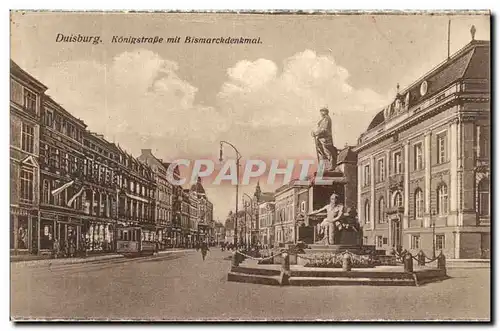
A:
(421, 170)
(70, 184)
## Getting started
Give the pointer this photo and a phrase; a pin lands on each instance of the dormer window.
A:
(29, 100)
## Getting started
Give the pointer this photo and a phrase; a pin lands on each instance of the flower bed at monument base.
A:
(336, 260)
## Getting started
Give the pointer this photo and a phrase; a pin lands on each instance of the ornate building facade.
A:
(164, 197)
(266, 220)
(287, 211)
(26, 97)
(63, 163)
(423, 163)
(68, 185)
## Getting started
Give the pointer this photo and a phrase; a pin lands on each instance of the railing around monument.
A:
(338, 260)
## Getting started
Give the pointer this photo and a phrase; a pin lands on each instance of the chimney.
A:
(146, 151)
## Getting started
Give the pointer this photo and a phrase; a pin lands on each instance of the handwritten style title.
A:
(222, 40)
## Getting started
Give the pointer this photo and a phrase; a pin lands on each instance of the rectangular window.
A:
(397, 165)
(65, 162)
(365, 240)
(74, 164)
(29, 100)
(384, 241)
(418, 157)
(57, 121)
(44, 154)
(441, 148)
(381, 170)
(48, 117)
(366, 175)
(70, 128)
(415, 242)
(440, 242)
(379, 242)
(16, 92)
(26, 185)
(482, 141)
(57, 158)
(27, 138)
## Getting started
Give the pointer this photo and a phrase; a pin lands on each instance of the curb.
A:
(80, 260)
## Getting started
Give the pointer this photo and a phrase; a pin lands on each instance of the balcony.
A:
(395, 210)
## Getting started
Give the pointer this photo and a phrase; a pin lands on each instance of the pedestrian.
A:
(204, 249)
(56, 248)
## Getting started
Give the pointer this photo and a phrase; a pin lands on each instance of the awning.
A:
(62, 188)
(136, 197)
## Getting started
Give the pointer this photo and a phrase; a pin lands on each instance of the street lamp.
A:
(433, 223)
(251, 216)
(238, 157)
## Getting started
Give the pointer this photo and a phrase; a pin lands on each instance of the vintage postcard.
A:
(271, 166)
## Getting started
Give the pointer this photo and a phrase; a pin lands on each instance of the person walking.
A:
(204, 249)
(56, 249)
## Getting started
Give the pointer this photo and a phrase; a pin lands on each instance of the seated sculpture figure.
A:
(334, 213)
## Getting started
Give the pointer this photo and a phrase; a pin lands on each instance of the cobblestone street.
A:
(181, 286)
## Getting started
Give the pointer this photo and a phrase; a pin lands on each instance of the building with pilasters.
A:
(164, 196)
(423, 162)
(136, 194)
(26, 98)
(266, 219)
(287, 211)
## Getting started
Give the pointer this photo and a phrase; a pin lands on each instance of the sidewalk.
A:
(26, 260)
(468, 263)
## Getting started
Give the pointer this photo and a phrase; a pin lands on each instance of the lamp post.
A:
(238, 157)
(251, 216)
(433, 223)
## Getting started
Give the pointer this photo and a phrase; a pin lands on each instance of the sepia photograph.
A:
(250, 166)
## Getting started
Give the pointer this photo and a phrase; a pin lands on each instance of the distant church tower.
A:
(258, 192)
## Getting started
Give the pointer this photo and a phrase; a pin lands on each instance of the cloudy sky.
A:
(181, 99)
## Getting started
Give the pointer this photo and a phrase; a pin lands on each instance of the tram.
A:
(135, 241)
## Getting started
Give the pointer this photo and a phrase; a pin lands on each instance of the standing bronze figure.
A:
(326, 151)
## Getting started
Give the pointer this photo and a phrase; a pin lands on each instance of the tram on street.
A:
(135, 241)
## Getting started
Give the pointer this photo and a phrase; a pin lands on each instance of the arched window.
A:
(442, 199)
(483, 191)
(381, 210)
(419, 203)
(46, 191)
(367, 211)
(397, 200)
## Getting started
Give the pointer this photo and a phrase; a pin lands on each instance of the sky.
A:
(180, 100)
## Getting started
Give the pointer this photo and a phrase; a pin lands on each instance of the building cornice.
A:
(451, 101)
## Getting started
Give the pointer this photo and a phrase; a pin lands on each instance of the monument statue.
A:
(338, 219)
(334, 211)
(326, 151)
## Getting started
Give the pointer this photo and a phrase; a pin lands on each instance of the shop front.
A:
(172, 238)
(68, 231)
(98, 236)
(48, 224)
(59, 234)
(202, 232)
(23, 230)
(194, 237)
